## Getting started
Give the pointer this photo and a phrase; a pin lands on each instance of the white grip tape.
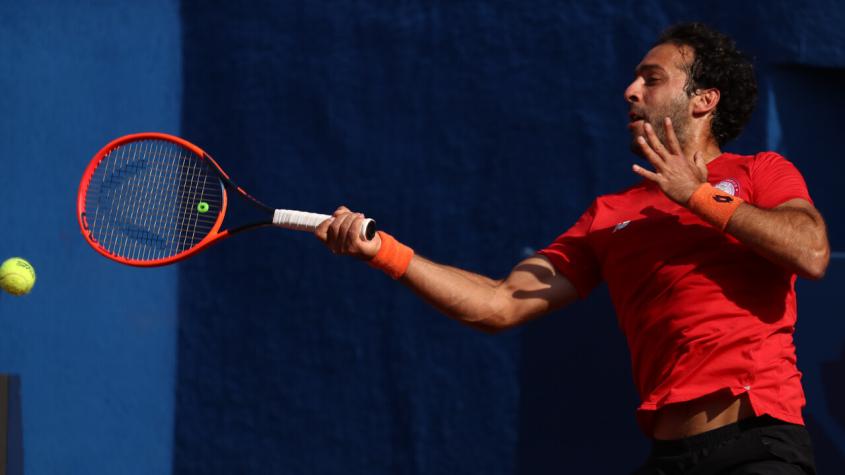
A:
(298, 220)
(302, 221)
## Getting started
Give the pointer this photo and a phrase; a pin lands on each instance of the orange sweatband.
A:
(713, 205)
(393, 257)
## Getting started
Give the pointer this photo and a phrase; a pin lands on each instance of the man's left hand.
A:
(677, 175)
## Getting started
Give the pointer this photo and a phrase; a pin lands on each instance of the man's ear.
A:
(705, 101)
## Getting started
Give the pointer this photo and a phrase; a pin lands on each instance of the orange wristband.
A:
(393, 257)
(713, 205)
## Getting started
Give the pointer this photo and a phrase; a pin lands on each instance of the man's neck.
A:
(708, 148)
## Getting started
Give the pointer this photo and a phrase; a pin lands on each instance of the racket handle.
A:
(302, 221)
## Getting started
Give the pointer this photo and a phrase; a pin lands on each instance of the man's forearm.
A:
(533, 288)
(470, 298)
(791, 236)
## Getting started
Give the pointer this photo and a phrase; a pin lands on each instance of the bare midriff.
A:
(685, 419)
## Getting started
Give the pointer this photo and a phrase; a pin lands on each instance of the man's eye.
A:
(651, 79)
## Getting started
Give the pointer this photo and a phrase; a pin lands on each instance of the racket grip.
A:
(303, 221)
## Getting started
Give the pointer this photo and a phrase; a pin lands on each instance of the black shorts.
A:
(758, 445)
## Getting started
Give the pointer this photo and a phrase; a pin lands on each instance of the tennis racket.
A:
(153, 199)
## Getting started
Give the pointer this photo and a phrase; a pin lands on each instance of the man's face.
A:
(658, 92)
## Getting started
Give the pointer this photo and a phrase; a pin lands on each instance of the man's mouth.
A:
(636, 122)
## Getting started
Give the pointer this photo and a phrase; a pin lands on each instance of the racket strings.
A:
(152, 199)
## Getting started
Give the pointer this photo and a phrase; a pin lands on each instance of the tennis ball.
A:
(17, 276)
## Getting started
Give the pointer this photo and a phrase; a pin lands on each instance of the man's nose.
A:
(632, 92)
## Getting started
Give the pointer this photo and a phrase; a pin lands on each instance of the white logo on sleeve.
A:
(729, 186)
(620, 226)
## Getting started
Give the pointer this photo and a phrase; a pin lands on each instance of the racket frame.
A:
(213, 235)
(291, 219)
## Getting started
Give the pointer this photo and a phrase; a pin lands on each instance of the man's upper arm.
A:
(800, 204)
(534, 287)
(792, 234)
(556, 276)
(804, 206)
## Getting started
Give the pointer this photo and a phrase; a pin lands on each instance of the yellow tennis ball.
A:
(17, 276)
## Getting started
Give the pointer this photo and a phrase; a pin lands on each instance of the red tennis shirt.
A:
(700, 310)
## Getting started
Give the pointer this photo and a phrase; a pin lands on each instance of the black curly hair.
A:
(717, 64)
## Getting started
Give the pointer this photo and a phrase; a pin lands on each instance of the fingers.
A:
(675, 172)
(671, 138)
(645, 173)
(655, 143)
(341, 233)
(340, 211)
(322, 231)
(349, 239)
(650, 154)
(336, 238)
(698, 160)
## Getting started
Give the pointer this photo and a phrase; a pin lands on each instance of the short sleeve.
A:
(775, 180)
(572, 255)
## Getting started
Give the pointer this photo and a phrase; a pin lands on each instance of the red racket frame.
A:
(212, 236)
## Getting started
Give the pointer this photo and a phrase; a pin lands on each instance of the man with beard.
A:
(700, 259)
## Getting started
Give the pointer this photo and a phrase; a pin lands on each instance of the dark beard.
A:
(677, 111)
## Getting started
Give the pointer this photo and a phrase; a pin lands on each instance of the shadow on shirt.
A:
(746, 279)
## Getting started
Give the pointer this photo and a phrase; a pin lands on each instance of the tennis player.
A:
(700, 259)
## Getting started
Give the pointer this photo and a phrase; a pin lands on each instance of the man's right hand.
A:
(342, 235)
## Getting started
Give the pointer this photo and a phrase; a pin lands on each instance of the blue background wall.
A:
(474, 131)
(95, 343)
